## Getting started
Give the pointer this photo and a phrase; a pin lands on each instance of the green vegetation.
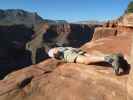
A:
(130, 8)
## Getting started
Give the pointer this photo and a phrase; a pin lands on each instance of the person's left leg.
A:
(118, 62)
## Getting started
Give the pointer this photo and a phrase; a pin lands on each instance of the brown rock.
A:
(126, 20)
(69, 34)
(54, 80)
(124, 30)
(111, 24)
(102, 32)
(130, 78)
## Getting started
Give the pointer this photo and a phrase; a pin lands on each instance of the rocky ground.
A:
(55, 80)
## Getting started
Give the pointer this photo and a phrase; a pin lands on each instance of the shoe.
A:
(116, 61)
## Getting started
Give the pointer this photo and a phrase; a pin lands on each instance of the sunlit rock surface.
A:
(55, 80)
(102, 32)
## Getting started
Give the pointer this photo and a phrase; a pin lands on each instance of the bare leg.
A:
(89, 59)
(96, 53)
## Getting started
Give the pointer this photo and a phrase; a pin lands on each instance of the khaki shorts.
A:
(70, 55)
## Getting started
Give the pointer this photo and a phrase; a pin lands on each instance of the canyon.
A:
(55, 80)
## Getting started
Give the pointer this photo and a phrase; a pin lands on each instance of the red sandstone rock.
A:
(111, 24)
(130, 78)
(122, 26)
(102, 32)
(126, 20)
(54, 80)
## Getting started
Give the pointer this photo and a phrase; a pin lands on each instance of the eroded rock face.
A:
(69, 34)
(111, 24)
(125, 24)
(55, 80)
(103, 32)
(126, 20)
(121, 26)
(108, 29)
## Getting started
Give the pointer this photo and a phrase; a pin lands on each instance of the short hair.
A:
(59, 55)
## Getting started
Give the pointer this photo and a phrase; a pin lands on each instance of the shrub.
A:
(130, 8)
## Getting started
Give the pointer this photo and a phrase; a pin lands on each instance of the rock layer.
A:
(103, 32)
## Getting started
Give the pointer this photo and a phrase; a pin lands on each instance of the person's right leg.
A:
(89, 59)
(114, 59)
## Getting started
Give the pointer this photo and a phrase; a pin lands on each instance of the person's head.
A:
(55, 53)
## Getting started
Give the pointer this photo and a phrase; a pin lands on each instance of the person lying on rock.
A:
(75, 55)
